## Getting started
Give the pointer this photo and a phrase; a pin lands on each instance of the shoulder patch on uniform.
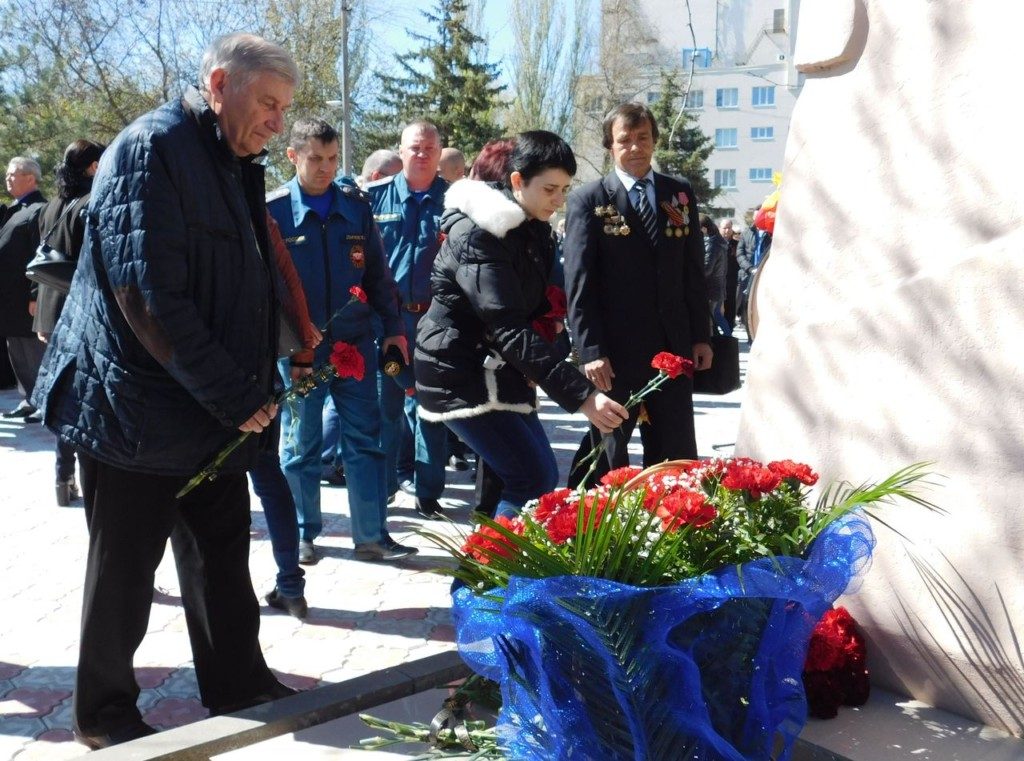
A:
(281, 192)
(353, 192)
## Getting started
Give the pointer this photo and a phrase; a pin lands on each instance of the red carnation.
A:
(358, 293)
(347, 361)
(489, 538)
(550, 503)
(797, 470)
(557, 299)
(619, 476)
(834, 671)
(754, 478)
(683, 507)
(562, 525)
(672, 364)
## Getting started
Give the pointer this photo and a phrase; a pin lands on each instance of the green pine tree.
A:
(688, 153)
(442, 81)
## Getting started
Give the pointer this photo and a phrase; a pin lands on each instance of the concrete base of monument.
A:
(893, 727)
(324, 724)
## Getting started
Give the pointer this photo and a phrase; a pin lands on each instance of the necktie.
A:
(643, 208)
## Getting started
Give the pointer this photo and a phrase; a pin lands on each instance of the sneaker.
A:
(294, 606)
(23, 410)
(67, 492)
(308, 554)
(429, 509)
(383, 550)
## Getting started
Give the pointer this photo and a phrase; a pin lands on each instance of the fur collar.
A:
(488, 207)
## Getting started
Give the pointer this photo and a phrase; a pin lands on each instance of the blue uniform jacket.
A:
(411, 233)
(333, 255)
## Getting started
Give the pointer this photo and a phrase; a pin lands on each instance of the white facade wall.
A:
(745, 53)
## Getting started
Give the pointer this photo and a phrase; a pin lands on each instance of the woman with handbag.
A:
(61, 227)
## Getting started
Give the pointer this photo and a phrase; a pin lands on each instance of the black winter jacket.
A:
(167, 341)
(64, 220)
(19, 237)
(487, 285)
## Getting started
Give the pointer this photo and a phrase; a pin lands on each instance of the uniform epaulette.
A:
(381, 182)
(281, 192)
(354, 192)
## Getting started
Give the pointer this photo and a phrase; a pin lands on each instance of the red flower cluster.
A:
(619, 476)
(561, 526)
(797, 470)
(752, 477)
(490, 539)
(358, 293)
(682, 507)
(835, 673)
(347, 361)
(672, 364)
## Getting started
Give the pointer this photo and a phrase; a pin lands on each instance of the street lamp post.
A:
(343, 104)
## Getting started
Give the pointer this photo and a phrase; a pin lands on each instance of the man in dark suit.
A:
(634, 272)
(19, 236)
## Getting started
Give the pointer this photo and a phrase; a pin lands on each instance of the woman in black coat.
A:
(478, 358)
(62, 224)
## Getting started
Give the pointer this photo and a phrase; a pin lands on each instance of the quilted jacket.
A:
(166, 343)
(476, 351)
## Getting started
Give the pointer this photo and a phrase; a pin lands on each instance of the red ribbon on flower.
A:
(347, 361)
(672, 364)
(358, 293)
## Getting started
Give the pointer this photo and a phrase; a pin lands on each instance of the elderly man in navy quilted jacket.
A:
(164, 351)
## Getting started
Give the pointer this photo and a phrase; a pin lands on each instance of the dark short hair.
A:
(632, 115)
(305, 130)
(539, 150)
(707, 224)
(491, 164)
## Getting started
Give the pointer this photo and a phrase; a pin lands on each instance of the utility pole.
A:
(343, 104)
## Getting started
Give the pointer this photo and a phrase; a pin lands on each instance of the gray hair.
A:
(377, 160)
(25, 164)
(244, 56)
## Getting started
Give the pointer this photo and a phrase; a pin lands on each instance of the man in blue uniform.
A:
(407, 207)
(335, 245)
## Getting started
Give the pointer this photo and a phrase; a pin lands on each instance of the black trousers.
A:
(26, 354)
(669, 435)
(130, 516)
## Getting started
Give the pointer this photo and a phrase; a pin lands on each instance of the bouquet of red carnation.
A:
(345, 362)
(835, 672)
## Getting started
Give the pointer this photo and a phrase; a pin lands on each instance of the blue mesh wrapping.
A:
(707, 669)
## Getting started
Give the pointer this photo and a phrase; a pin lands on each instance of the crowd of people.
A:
(198, 296)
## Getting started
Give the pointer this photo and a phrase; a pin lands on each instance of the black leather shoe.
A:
(458, 462)
(333, 475)
(408, 487)
(429, 508)
(67, 492)
(276, 692)
(35, 417)
(308, 554)
(384, 550)
(124, 734)
(21, 411)
(293, 606)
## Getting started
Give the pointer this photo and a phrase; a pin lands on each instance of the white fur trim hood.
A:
(490, 209)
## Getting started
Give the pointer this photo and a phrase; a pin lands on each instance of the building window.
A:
(727, 97)
(779, 21)
(725, 178)
(726, 138)
(695, 99)
(761, 174)
(763, 97)
(762, 133)
(701, 57)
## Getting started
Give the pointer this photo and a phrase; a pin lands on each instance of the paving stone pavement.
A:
(363, 616)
